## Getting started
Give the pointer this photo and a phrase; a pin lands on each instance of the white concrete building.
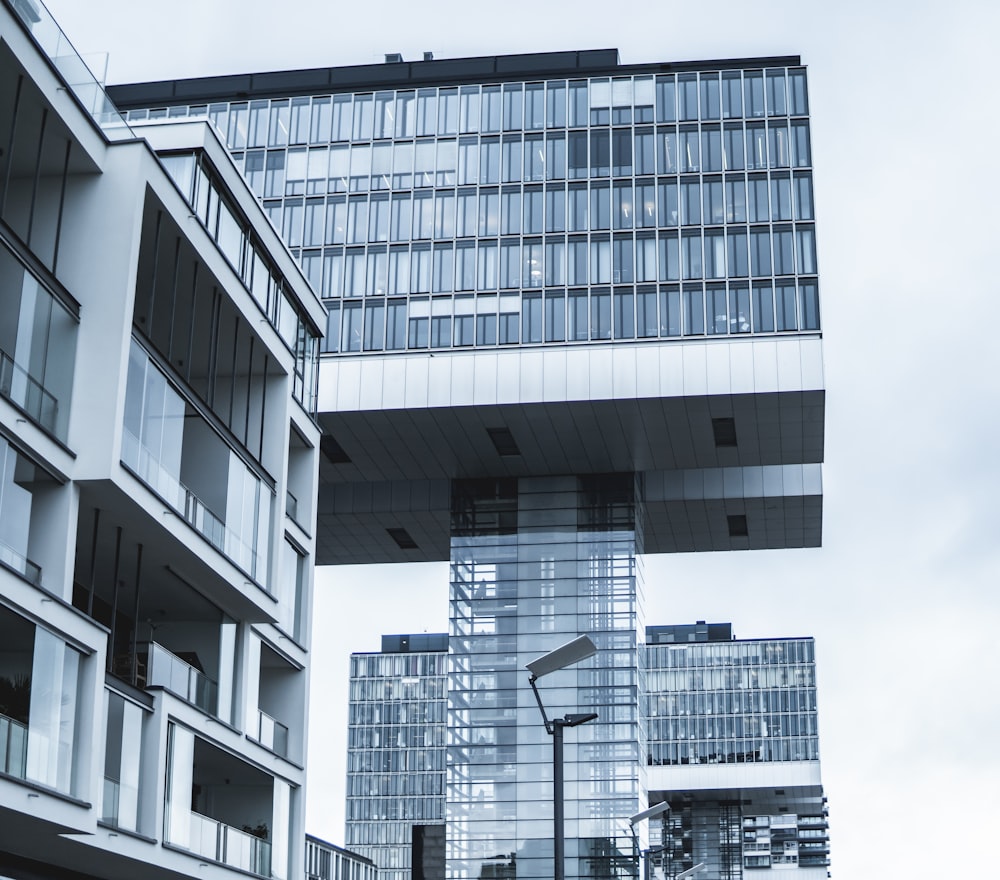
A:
(158, 479)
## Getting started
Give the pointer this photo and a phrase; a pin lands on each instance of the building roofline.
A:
(312, 838)
(411, 74)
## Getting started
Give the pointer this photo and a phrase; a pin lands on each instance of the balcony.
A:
(186, 503)
(170, 445)
(244, 850)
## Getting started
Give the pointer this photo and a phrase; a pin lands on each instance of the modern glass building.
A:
(396, 754)
(573, 318)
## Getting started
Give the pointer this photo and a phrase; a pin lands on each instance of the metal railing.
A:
(222, 843)
(272, 734)
(13, 747)
(168, 671)
(29, 394)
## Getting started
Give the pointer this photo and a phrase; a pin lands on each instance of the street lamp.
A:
(654, 811)
(573, 652)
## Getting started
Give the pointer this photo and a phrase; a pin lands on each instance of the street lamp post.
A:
(573, 652)
(654, 811)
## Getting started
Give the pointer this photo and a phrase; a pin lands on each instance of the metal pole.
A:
(558, 831)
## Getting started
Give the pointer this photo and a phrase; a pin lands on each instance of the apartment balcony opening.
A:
(39, 703)
(40, 159)
(280, 701)
(164, 634)
(221, 808)
(172, 447)
(184, 314)
(37, 345)
(27, 494)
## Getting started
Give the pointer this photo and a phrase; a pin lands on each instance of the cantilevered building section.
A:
(573, 318)
(158, 460)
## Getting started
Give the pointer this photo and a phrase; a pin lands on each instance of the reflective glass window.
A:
(555, 104)
(555, 316)
(710, 98)
(666, 99)
(510, 159)
(600, 153)
(801, 153)
(687, 96)
(448, 111)
(753, 93)
(491, 109)
(776, 101)
(670, 312)
(555, 209)
(426, 112)
(555, 156)
(798, 100)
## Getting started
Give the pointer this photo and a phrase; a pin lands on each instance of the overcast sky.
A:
(903, 596)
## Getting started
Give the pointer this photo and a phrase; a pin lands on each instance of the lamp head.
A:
(577, 718)
(656, 810)
(572, 652)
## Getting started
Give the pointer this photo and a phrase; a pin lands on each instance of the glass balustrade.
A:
(13, 747)
(272, 734)
(166, 670)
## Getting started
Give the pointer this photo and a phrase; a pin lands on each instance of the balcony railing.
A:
(21, 564)
(187, 504)
(13, 747)
(110, 800)
(222, 843)
(57, 47)
(272, 734)
(23, 391)
(169, 672)
(291, 506)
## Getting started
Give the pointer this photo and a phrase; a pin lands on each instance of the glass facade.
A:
(732, 702)
(536, 562)
(542, 212)
(396, 754)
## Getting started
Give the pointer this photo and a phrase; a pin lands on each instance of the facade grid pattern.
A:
(396, 754)
(732, 702)
(565, 211)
